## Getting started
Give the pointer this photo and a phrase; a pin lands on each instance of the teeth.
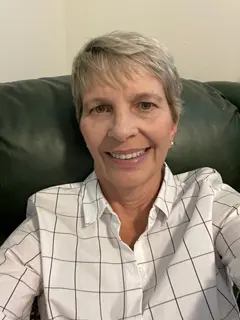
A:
(128, 155)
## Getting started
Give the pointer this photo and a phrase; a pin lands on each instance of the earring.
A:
(172, 143)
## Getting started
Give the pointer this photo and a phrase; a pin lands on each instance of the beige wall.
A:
(40, 37)
(203, 35)
(32, 39)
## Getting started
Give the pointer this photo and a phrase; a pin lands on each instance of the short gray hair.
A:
(110, 55)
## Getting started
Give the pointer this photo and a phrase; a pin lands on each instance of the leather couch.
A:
(41, 145)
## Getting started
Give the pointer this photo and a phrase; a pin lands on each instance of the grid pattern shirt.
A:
(69, 253)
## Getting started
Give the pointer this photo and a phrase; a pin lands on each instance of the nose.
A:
(123, 126)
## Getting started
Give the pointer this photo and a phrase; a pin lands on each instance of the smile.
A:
(127, 156)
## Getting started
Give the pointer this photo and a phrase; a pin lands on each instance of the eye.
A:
(145, 106)
(101, 109)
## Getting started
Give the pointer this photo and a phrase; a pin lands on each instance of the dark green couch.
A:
(40, 143)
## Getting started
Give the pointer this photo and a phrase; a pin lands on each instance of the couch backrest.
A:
(41, 146)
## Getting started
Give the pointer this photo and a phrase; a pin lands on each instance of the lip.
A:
(128, 164)
(127, 151)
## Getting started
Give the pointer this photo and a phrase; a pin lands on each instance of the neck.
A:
(132, 202)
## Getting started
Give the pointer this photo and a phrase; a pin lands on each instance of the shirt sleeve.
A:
(226, 222)
(20, 271)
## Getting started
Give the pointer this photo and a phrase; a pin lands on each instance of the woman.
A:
(132, 241)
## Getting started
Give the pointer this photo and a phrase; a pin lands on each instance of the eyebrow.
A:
(138, 97)
(96, 101)
(148, 96)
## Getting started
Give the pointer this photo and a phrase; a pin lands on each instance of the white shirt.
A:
(68, 251)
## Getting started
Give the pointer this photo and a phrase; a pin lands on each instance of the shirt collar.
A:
(94, 202)
(167, 192)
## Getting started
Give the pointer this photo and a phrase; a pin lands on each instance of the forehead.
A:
(125, 85)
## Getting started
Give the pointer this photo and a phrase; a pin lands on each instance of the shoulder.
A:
(211, 180)
(48, 198)
(205, 175)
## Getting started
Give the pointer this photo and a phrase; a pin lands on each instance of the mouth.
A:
(128, 154)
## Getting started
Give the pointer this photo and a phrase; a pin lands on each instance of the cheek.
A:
(87, 133)
(93, 135)
(162, 133)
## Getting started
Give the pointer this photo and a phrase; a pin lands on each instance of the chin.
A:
(127, 179)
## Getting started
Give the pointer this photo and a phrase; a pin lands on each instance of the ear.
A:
(173, 130)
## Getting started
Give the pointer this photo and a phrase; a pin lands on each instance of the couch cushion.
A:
(209, 132)
(40, 142)
(230, 90)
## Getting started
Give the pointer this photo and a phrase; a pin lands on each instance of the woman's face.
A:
(128, 130)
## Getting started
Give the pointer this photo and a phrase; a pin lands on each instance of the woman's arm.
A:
(20, 271)
(228, 244)
(226, 222)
